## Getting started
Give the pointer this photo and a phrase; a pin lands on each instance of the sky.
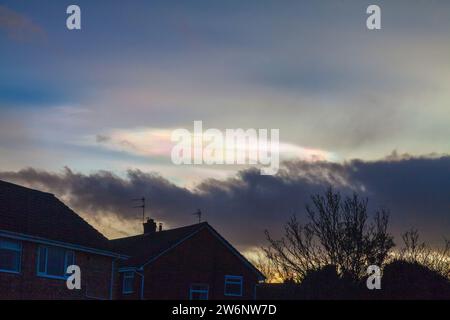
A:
(88, 114)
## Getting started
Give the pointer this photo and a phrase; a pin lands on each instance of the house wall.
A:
(200, 259)
(95, 278)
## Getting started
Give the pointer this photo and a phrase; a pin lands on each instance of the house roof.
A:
(144, 249)
(40, 214)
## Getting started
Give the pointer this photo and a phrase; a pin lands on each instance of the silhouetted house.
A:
(39, 238)
(193, 262)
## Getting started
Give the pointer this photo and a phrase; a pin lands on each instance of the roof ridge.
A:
(81, 218)
(18, 186)
(159, 232)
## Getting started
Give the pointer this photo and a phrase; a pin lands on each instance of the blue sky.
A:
(308, 68)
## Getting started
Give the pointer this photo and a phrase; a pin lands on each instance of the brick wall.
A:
(95, 278)
(201, 259)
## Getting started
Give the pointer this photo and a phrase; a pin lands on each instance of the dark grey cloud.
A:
(415, 189)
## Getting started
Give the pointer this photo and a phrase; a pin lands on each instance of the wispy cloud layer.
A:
(310, 69)
(151, 142)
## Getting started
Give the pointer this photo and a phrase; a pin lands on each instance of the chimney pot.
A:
(149, 226)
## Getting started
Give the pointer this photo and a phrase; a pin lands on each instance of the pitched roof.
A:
(145, 248)
(40, 214)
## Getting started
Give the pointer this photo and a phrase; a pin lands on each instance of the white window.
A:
(10, 255)
(128, 282)
(53, 261)
(233, 286)
(198, 292)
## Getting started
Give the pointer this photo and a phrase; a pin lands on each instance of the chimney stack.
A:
(149, 226)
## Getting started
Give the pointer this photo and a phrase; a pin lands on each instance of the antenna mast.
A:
(141, 206)
(198, 213)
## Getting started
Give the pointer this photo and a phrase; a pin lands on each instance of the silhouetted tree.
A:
(415, 251)
(267, 268)
(338, 232)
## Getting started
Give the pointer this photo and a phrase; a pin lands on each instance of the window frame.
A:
(128, 275)
(233, 280)
(45, 273)
(191, 290)
(19, 251)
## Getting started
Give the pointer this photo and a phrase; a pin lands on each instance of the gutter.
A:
(25, 237)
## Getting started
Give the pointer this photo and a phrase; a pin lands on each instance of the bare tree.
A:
(296, 253)
(338, 232)
(436, 259)
(267, 268)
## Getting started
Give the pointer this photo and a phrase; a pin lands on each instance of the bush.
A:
(411, 280)
(327, 284)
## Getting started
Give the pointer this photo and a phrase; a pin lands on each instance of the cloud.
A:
(415, 189)
(141, 141)
(18, 26)
(151, 142)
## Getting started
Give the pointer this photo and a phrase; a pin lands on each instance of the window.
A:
(128, 282)
(53, 261)
(233, 286)
(10, 255)
(199, 292)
